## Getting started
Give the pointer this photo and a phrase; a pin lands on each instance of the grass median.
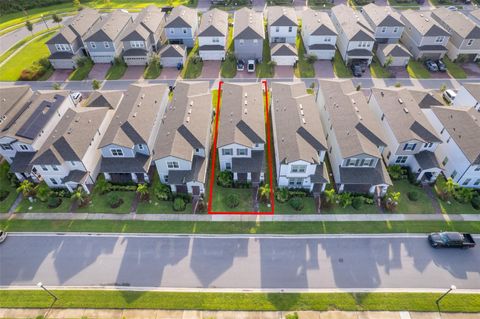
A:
(240, 301)
(185, 227)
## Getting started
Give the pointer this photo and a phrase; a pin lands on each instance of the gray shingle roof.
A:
(12, 99)
(427, 99)
(365, 175)
(475, 14)
(458, 22)
(473, 89)
(186, 122)
(282, 17)
(138, 164)
(248, 24)
(214, 23)
(182, 17)
(424, 23)
(404, 116)
(463, 125)
(354, 25)
(299, 134)
(173, 51)
(108, 99)
(283, 49)
(134, 118)
(78, 26)
(60, 55)
(356, 129)
(109, 27)
(197, 173)
(317, 23)
(427, 160)
(394, 49)
(382, 16)
(253, 164)
(145, 24)
(240, 123)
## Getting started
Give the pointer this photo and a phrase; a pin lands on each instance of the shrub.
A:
(3, 194)
(345, 199)
(292, 316)
(369, 201)
(412, 195)
(102, 186)
(114, 200)
(476, 202)
(162, 191)
(179, 204)
(357, 202)
(396, 172)
(232, 200)
(43, 191)
(54, 202)
(282, 195)
(225, 179)
(296, 203)
(298, 193)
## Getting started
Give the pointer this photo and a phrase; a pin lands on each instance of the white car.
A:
(76, 97)
(449, 95)
(251, 66)
(3, 236)
(452, 8)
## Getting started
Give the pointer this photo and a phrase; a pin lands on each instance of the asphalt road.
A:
(236, 262)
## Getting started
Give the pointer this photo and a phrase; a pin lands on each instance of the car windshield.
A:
(444, 237)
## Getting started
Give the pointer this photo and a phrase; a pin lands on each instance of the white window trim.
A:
(93, 45)
(117, 152)
(106, 44)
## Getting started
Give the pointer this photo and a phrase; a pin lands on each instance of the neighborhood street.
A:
(242, 262)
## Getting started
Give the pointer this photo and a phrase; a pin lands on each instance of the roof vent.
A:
(246, 95)
(246, 102)
(301, 106)
(191, 103)
(303, 121)
(189, 111)
(421, 14)
(382, 94)
(188, 119)
(135, 114)
(353, 101)
(301, 113)
(405, 110)
(245, 111)
(400, 100)
(143, 95)
(356, 109)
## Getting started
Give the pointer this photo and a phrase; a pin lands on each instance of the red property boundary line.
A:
(214, 157)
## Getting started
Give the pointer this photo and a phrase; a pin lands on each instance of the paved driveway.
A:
(134, 72)
(283, 72)
(399, 72)
(440, 75)
(99, 71)
(324, 69)
(472, 69)
(245, 75)
(210, 70)
(60, 75)
(169, 74)
(258, 5)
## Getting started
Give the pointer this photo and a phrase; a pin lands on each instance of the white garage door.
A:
(102, 59)
(323, 54)
(135, 60)
(212, 55)
(284, 60)
(400, 61)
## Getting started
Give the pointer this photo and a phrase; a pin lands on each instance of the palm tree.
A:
(392, 200)
(79, 196)
(264, 192)
(330, 196)
(449, 188)
(26, 188)
(142, 191)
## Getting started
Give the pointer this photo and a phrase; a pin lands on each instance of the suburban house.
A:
(104, 40)
(127, 146)
(355, 39)
(319, 34)
(300, 143)
(182, 26)
(459, 128)
(465, 34)
(173, 55)
(241, 133)
(26, 120)
(411, 139)
(282, 25)
(67, 46)
(284, 54)
(393, 54)
(468, 95)
(212, 35)
(248, 34)
(69, 157)
(144, 36)
(385, 22)
(423, 36)
(182, 148)
(355, 139)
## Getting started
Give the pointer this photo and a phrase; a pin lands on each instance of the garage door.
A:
(212, 55)
(432, 55)
(135, 60)
(170, 62)
(284, 60)
(323, 54)
(102, 59)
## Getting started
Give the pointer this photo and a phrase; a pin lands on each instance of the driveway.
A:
(169, 74)
(399, 72)
(258, 5)
(472, 69)
(99, 71)
(211, 69)
(440, 75)
(134, 72)
(203, 5)
(245, 75)
(324, 69)
(283, 72)
(60, 75)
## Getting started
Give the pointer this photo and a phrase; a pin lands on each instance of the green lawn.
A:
(285, 208)
(42, 207)
(82, 72)
(320, 4)
(219, 199)
(6, 186)
(454, 69)
(378, 71)
(339, 67)
(152, 71)
(452, 206)
(99, 203)
(116, 71)
(155, 206)
(422, 206)
(404, 4)
(266, 68)
(194, 65)
(303, 69)
(417, 70)
(25, 58)
(364, 209)
(228, 68)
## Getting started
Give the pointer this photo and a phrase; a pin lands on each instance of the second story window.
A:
(215, 40)
(438, 39)
(93, 45)
(477, 169)
(140, 147)
(23, 147)
(290, 29)
(328, 39)
(255, 40)
(106, 44)
(173, 165)
(401, 159)
(395, 30)
(6, 147)
(227, 151)
(62, 47)
(55, 168)
(470, 42)
(409, 146)
(384, 29)
(427, 145)
(277, 29)
(116, 152)
(241, 151)
(172, 31)
(44, 168)
(137, 44)
(184, 30)
(242, 41)
(298, 169)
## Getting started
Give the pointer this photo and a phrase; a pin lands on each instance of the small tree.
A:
(345, 199)
(391, 200)
(56, 18)
(264, 192)
(142, 191)
(56, 86)
(76, 3)
(359, 87)
(388, 61)
(443, 88)
(395, 171)
(330, 196)
(29, 26)
(26, 188)
(79, 196)
(464, 194)
(449, 188)
(95, 84)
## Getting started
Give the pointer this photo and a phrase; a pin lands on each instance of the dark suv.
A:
(356, 69)
(431, 66)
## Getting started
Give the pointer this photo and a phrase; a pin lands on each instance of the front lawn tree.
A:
(56, 18)
(330, 196)
(79, 196)
(26, 188)
(264, 191)
(76, 3)
(29, 26)
(388, 61)
(449, 188)
(95, 84)
(142, 191)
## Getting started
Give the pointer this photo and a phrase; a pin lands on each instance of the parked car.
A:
(431, 66)
(451, 240)
(76, 97)
(449, 95)
(356, 69)
(441, 66)
(240, 65)
(3, 236)
(251, 66)
(452, 8)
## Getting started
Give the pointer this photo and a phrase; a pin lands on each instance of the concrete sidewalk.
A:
(244, 218)
(192, 314)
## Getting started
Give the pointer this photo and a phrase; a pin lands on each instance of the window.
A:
(477, 182)
(106, 44)
(44, 168)
(55, 168)
(227, 151)
(366, 162)
(140, 147)
(277, 29)
(23, 147)
(228, 166)
(242, 41)
(383, 117)
(351, 162)
(395, 30)
(298, 169)
(409, 146)
(116, 152)
(184, 30)
(6, 147)
(255, 40)
(172, 165)
(93, 45)
(137, 44)
(438, 39)
(443, 130)
(470, 42)
(454, 173)
(73, 163)
(197, 150)
(445, 161)
(290, 29)
(215, 40)
(427, 145)
(467, 181)
(384, 29)
(295, 181)
(477, 169)
(389, 154)
(172, 31)
(401, 159)
(241, 151)
(165, 178)
(62, 47)
(328, 39)
(53, 181)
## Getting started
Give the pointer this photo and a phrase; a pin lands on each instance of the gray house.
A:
(282, 25)
(171, 55)
(387, 24)
(182, 26)
(104, 41)
(212, 35)
(143, 37)
(423, 36)
(398, 53)
(127, 145)
(248, 34)
(319, 34)
(67, 45)
(465, 34)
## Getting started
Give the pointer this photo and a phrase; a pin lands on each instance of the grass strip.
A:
(240, 301)
(131, 226)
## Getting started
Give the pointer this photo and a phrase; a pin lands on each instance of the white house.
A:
(300, 143)
(212, 35)
(241, 133)
(468, 95)
(182, 148)
(319, 34)
(411, 139)
(459, 128)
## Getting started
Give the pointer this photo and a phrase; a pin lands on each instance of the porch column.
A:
(107, 176)
(134, 177)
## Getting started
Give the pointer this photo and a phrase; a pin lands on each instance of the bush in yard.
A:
(396, 172)
(475, 202)
(102, 186)
(114, 200)
(3, 194)
(232, 200)
(225, 179)
(345, 199)
(162, 192)
(296, 203)
(43, 191)
(179, 204)
(282, 195)
(330, 197)
(292, 316)
(464, 195)
(95, 84)
(54, 202)
(412, 195)
(357, 202)
(369, 201)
